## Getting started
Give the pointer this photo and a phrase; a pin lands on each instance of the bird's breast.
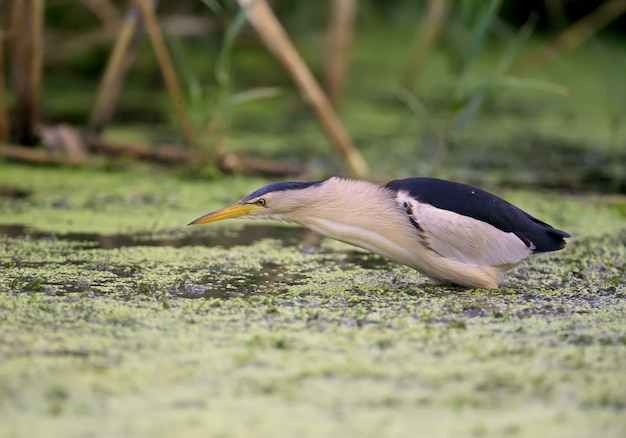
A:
(392, 240)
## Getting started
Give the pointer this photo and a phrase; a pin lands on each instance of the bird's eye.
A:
(261, 202)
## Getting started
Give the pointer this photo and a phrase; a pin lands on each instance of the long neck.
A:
(364, 215)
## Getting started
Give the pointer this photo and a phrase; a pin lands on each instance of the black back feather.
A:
(481, 205)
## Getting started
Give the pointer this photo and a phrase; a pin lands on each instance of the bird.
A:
(453, 233)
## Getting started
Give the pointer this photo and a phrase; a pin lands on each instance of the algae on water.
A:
(116, 319)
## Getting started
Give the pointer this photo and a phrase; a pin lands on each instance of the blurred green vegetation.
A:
(468, 116)
(101, 336)
(118, 320)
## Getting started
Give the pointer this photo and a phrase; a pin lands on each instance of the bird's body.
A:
(450, 232)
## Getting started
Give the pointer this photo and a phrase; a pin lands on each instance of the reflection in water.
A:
(208, 237)
(272, 278)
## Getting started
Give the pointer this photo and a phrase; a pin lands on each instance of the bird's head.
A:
(283, 201)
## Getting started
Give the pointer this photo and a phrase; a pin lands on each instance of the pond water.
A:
(97, 276)
(215, 237)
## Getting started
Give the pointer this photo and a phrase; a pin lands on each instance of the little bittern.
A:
(451, 232)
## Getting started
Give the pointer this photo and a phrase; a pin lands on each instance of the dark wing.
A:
(483, 206)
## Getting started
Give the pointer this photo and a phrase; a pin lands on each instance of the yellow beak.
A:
(236, 210)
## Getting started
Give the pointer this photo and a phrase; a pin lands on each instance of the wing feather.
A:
(473, 203)
(466, 239)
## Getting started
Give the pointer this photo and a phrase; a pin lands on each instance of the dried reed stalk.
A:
(167, 154)
(425, 38)
(30, 155)
(277, 41)
(572, 37)
(169, 73)
(5, 126)
(105, 10)
(27, 53)
(339, 36)
(122, 56)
